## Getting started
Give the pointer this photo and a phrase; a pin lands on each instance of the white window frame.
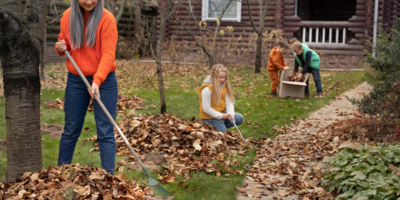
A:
(238, 18)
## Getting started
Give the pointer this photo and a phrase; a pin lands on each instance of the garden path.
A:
(339, 108)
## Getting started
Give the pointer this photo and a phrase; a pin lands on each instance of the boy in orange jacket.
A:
(277, 62)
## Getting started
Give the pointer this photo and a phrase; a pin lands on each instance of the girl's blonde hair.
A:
(216, 90)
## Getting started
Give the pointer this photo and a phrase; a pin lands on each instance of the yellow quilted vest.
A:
(219, 108)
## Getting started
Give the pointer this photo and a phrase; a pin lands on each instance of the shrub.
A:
(382, 105)
(366, 173)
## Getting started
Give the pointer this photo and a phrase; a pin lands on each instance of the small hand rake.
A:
(157, 188)
(237, 129)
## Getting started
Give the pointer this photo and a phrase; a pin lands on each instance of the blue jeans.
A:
(317, 80)
(77, 99)
(222, 125)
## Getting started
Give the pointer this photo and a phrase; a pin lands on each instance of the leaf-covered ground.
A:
(262, 114)
(72, 182)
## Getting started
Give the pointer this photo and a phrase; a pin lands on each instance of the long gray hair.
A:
(77, 24)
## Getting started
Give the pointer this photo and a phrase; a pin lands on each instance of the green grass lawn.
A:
(261, 113)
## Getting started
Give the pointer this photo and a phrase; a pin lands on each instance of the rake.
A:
(237, 129)
(157, 188)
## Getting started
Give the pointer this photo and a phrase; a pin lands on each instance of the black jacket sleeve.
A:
(296, 66)
(307, 62)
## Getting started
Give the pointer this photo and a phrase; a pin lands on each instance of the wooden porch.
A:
(338, 29)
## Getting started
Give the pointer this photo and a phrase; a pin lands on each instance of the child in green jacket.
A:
(309, 60)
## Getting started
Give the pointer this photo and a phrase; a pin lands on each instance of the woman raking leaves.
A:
(89, 33)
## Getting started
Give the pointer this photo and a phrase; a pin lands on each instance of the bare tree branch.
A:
(219, 20)
(262, 19)
(57, 15)
(264, 15)
(168, 12)
(192, 35)
(107, 5)
(154, 56)
(120, 11)
(203, 45)
(251, 18)
(195, 20)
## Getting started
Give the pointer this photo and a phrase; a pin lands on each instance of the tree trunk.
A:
(160, 81)
(42, 64)
(258, 54)
(263, 13)
(22, 32)
(139, 37)
(164, 9)
(138, 19)
(211, 61)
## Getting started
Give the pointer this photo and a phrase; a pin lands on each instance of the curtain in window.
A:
(216, 6)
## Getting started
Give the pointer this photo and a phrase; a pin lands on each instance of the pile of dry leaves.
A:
(290, 164)
(187, 146)
(72, 182)
(294, 77)
(133, 102)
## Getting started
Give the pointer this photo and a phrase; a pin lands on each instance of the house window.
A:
(213, 8)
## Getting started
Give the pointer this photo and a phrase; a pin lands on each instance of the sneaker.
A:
(319, 95)
(307, 94)
(274, 94)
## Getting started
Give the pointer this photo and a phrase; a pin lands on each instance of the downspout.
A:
(376, 10)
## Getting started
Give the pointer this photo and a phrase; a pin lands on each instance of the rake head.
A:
(158, 190)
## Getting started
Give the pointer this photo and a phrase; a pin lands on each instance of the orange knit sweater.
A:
(96, 61)
(276, 61)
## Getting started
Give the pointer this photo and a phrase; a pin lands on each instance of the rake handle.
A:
(238, 130)
(105, 110)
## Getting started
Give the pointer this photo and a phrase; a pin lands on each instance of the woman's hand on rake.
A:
(95, 90)
(61, 47)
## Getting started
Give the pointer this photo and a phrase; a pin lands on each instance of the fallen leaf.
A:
(284, 193)
(122, 162)
(196, 145)
(257, 195)
(168, 179)
(241, 189)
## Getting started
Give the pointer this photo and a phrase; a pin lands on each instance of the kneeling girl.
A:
(216, 100)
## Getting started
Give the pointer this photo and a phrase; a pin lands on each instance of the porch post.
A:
(368, 17)
(368, 20)
(278, 13)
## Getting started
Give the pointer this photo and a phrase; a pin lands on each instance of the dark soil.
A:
(3, 144)
(54, 130)
(155, 157)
